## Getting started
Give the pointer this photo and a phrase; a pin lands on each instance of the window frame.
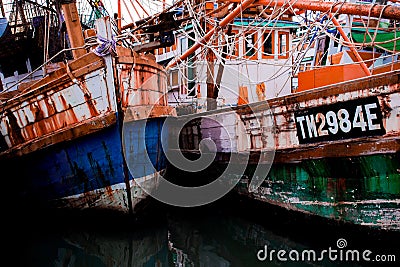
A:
(236, 40)
(254, 35)
(272, 37)
(285, 54)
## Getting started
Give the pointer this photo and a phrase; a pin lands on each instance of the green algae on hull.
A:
(354, 190)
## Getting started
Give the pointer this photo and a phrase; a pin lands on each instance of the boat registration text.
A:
(350, 119)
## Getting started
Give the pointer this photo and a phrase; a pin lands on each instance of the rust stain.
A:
(61, 136)
(122, 89)
(144, 80)
(90, 198)
(109, 160)
(109, 192)
(28, 129)
(125, 92)
(79, 173)
(38, 117)
(386, 109)
(88, 99)
(23, 132)
(52, 111)
(70, 116)
(343, 148)
(102, 180)
(13, 128)
(80, 67)
(91, 105)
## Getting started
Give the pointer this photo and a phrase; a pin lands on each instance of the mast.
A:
(210, 57)
(74, 27)
(213, 86)
(372, 10)
(119, 21)
(244, 5)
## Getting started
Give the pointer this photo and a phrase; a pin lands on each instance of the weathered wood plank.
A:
(63, 135)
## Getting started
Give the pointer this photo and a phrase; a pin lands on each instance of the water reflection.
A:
(181, 237)
(219, 241)
(144, 246)
(124, 249)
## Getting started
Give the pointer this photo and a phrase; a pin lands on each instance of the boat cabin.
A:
(251, 62)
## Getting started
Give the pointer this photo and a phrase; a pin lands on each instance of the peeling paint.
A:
(66, 129)
(353, 179)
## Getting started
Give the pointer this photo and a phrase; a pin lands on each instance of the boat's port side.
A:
(335, 150)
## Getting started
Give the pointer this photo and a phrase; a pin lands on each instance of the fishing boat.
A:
(313, 114)
(81, 108)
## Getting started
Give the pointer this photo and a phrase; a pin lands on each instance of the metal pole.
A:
(373, 10)
(222, 23)
(351, 46)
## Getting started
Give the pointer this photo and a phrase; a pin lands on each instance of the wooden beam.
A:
(69, 133)
(84, 65)
(74, 29)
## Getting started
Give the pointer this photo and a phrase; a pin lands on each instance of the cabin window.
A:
(174, 45)
(183, 46)
(232, 45)
(305, 66)
(250, 45)
(283, 44)
(191, 75)
(191, 41)
(267, 45)
(191, 69)
(224, 45)
(174, 79)
(222, 49)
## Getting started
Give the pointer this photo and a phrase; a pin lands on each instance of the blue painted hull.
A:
(88, 171)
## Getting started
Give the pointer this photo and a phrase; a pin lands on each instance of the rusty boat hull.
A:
(332, 151)
(74, 139)
(88, 172)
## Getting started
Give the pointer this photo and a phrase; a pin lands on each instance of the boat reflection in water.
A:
(223, 242)
(136, 246)
(225, 233)
(220, 239)
(210, 241)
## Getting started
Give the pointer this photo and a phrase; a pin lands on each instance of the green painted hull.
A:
(349, 175)
(382, 39)
(362, 191)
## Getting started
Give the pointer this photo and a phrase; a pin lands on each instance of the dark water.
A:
(229, 232)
